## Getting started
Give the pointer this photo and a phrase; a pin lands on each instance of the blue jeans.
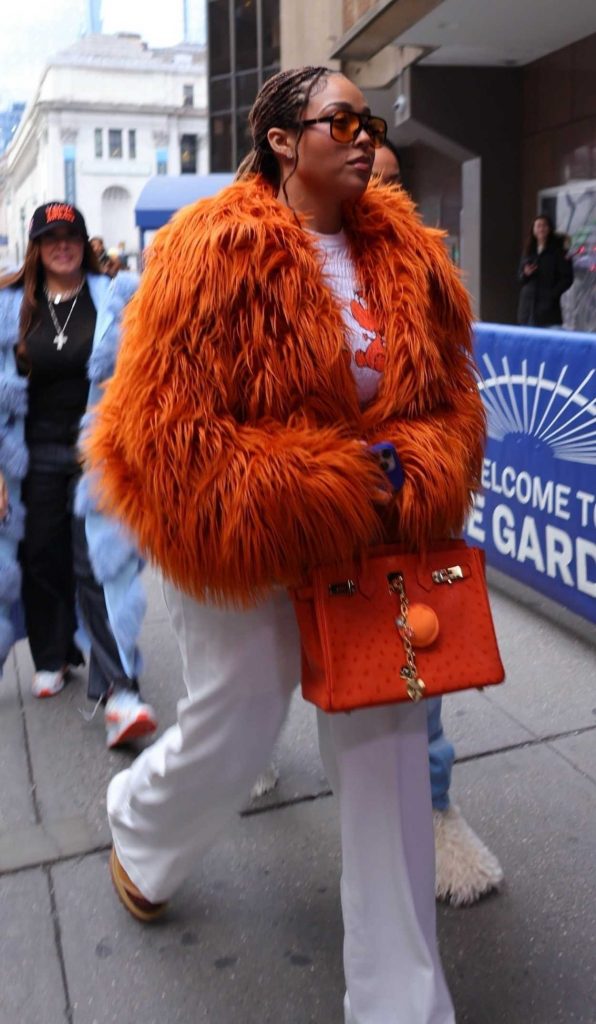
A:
(441, 755)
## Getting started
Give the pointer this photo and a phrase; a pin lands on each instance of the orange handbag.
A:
(396, 627)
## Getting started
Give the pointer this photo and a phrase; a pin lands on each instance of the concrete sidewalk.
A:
(254, 936)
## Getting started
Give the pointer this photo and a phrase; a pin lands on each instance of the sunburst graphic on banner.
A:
(561, 417)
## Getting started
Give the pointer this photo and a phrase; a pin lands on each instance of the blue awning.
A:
(166, 193)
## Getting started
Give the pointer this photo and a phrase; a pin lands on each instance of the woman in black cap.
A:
(59, 331)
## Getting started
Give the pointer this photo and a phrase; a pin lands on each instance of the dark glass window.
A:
(221, 93)
(221, 143)
(243, 139)
(219, 37)
(247, 87)
(188, 95)
(270, 72)
(271, 51)
(99, 142)
(132, 144)
(115, 143)
(188, 154)
(246, 34)
(233, 30)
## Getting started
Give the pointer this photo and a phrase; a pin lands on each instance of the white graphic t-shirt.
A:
(366, 344)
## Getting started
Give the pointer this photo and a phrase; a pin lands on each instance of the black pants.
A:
(57, 575)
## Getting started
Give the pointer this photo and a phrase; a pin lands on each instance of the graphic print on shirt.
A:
(373, 356)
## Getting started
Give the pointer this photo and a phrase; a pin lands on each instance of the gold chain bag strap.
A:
(415, 687)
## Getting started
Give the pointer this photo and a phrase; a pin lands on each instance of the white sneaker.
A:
(465, 868)
(127, 717)
(48, 684)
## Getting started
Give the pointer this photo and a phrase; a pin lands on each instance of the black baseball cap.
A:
(57, 215)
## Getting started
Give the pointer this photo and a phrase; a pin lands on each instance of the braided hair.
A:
(279, 104)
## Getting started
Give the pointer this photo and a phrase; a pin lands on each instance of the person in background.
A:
(118, 253)
(107, 264)
(387, 165)
(465, 869)
(59, 326)
(232, 441)
(545, 273)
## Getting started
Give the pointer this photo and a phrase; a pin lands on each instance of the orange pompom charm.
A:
(424, 623)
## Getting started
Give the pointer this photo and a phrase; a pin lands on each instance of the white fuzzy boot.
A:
(265, 782)
(465, 869)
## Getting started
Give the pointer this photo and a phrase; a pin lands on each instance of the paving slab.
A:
(33, 845)
(70, 762)
(16, 804)
(551, 671)
(580, 751)
(255, 934)
(156, 607)
(72, 775)
(296, 758)
(31, 988)
(475, 724)
(253, 937)
(527, 955)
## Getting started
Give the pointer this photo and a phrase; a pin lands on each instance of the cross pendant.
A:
(60, 340)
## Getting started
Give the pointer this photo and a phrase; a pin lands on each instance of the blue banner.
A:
(536, 514)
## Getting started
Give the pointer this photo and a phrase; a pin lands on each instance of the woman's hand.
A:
(381, 495)
(530, 268)
(3, 498)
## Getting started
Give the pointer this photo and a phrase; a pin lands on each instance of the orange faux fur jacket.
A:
(229, 438)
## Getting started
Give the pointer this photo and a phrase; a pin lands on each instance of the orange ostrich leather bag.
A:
(396, 627)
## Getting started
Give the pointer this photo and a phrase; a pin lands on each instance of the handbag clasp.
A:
(450, 575)
(345, 589)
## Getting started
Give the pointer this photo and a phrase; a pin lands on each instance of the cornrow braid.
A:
(279, 104)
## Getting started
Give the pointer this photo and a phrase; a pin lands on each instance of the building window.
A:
(132, 144)
(188, 154)
(99, 143)
(188, 95)
(221, 93)
(221, 142)
(246, 34)
(115, 143)
(247, 87)
(240, 60)
(243, 139)
(161, 157)
(271, 33)
(219, 34)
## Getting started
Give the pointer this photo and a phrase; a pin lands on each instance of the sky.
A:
(32, 30)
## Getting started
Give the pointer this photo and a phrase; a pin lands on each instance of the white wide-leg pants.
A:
(240, 668)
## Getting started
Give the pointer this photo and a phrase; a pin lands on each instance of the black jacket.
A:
(540, 295)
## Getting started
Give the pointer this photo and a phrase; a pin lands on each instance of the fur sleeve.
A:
(440, 437)
(227, 508)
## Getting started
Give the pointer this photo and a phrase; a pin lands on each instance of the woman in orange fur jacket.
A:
(280, 329)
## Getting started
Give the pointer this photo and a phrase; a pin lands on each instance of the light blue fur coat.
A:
(113, 555)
